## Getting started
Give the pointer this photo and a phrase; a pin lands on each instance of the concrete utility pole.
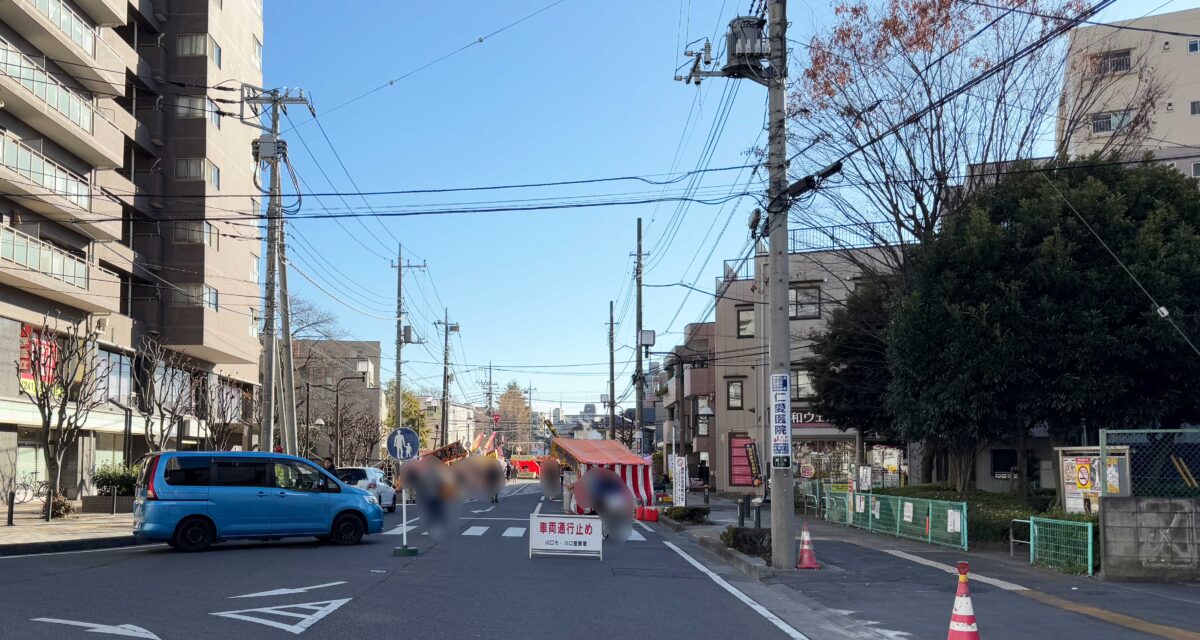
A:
(447, 329)
(612, 377)
(783, 525)
(271, 149)
(747, 51)
(401, 338)
(638, 382)
(489, 393)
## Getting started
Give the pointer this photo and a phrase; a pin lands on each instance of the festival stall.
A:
(582, 456)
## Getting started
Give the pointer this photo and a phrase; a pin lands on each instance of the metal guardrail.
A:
(1012, 536)
(845, 236)
(1062, 544)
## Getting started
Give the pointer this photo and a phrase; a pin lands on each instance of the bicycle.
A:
(30, 488)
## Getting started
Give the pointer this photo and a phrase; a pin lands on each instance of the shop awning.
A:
(597, 452)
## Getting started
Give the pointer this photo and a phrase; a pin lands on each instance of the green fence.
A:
(1061, 544)
(933, 521)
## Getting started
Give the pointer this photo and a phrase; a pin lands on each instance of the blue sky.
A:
(583, 90)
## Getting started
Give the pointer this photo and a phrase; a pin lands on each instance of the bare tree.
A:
(360, 434)
(250, 421)
(60, 372)
(883, 61)
(226, 412)
(165, 391)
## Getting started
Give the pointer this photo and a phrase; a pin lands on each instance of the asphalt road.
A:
(478, 585)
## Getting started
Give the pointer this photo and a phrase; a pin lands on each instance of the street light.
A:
(319, 423)
(363, 369)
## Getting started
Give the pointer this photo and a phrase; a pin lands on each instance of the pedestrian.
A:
(495, 481)
(327, 464)
(508, 471)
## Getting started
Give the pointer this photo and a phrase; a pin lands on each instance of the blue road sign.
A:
(403, 444)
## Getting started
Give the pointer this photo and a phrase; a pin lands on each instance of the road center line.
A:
(758, 608)
(1007, 586)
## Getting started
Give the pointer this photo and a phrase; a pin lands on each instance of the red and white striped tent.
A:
(585, 455)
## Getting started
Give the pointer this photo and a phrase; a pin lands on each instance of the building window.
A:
(257, 53)
(733, 389)
(1004, 462)
(254, 273)
(1114, 62)
(190, 106)
(214, 175)
(211, 298)
(187, 295)
(1193, 47)
(802, 386)
(214, 113)
(255, 322)
(1110, 121)
(804, 302)
(196, 232)
(258, 7)
(745, 322)
(1196, 169)
(192, 44)
(198, 44)
(189, 168)
(118, 367)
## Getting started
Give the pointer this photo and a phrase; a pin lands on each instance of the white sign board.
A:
(781, 421)
(953, 521)
(679, 482)
(908, 512)
(565, 535)
(860, 503)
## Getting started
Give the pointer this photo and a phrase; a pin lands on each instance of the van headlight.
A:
(370, 499)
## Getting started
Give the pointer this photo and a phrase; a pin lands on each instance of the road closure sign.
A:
(565, 535)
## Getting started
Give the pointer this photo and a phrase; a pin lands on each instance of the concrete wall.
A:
(1150, 538)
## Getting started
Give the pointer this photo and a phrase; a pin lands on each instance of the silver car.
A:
(372, 480)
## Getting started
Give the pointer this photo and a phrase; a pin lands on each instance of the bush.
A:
(112, 477)
(750, 541)
(687, 515)
(62, 507)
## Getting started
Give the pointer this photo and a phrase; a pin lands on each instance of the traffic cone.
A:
(807, 558)
(962, 620)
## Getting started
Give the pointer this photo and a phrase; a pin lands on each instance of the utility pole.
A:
(271, 149)
(638, 382)
(447, 328)
(291, 443)
(401, 337)
(489, 392)
(612, 378)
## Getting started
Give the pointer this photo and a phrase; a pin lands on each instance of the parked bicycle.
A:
(30, 488)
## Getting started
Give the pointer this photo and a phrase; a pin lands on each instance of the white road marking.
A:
(127, 630)
(317, 611)
(400, 530)
(513, 532)
(643, 525)
(140, 547)
(475, 531)
(286, 591)
(634, 536)
(1007, 586)
(542, 499)
(758, 608)
(538, 508)
(484, 510)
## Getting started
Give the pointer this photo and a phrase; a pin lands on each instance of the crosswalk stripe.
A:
(475, 531)
(400, 530)
(634, 536)
(514, 532)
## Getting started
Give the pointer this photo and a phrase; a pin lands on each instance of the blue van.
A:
(191, 499)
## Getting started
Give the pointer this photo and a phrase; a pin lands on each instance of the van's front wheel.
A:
(193, 534)
(347, 530)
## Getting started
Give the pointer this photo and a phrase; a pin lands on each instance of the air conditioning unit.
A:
(101, 324)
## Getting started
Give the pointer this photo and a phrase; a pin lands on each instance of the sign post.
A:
(781, 427)
(565, 535)
(679, 480)
(403, 445)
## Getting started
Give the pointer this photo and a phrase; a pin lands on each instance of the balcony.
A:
(107, 13)
(50, 272)
(56, 110)
(62, 34)
(846, 236)
(672, 395)
(53, 190)
(698, 381)
(218, 336)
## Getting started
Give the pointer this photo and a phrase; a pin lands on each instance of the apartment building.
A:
(114, 148)
(686, 384)
(1118, 78)
(465, 422)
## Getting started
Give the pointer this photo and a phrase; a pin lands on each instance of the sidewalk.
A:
(907, 586)
(31, 534)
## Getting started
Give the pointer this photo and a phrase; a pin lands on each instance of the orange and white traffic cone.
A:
(962, 620)
(807, 558)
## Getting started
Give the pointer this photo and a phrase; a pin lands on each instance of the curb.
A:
(673, 525)
(751, 567)
(59, 546)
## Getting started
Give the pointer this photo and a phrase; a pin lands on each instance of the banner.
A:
(44, 350)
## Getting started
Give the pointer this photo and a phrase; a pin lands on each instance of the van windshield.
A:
(352, 476)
